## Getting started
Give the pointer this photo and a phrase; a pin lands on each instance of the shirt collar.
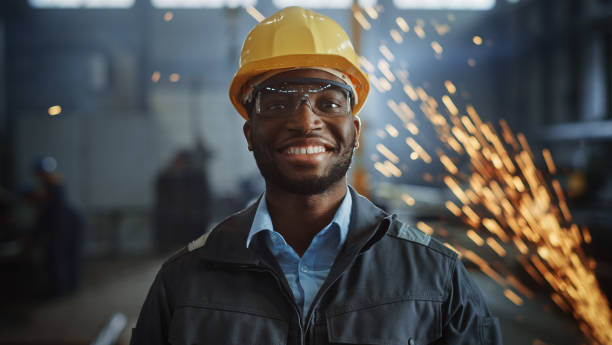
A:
(263, 222)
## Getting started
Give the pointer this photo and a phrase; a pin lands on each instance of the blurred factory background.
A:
(114, 114)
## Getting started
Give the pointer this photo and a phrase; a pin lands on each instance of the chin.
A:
(309, 186)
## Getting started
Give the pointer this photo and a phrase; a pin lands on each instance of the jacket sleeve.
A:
(466, 317)
(155, 316)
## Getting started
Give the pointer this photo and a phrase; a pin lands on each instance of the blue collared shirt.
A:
(305, 275)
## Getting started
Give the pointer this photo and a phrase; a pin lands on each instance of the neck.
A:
(300, 217)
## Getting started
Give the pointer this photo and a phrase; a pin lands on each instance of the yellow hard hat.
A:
(296, 37)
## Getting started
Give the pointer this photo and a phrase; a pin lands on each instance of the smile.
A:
(305, 150)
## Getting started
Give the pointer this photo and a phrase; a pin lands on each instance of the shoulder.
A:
(230, 231)
(412, 236)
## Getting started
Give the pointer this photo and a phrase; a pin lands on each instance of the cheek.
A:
(262, 134)
(346, 134)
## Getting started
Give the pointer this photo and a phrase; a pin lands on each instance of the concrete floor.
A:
(109, 286)
(120, 286)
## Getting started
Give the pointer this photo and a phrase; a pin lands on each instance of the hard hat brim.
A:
(254, 68)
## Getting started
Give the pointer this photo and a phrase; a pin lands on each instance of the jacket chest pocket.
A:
(198, 325)
(407, 322)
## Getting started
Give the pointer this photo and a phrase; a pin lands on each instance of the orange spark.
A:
(496, 247)
(549, 161)
(425, 228)
(361, 19)
(418, 149)
(384, 50)
(402, 24)
(391, 130)
(408, 199)
(514, 298)
(387, 153)
(255, 13)
(453, 208)
(475, 238)
(448, 164)
(396, 36)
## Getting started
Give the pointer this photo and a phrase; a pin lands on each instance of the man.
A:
(311, 262)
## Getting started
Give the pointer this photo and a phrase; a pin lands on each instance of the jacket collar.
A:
(227, 239)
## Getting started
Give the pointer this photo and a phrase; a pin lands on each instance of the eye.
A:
(274, 102)
(276, 107)
(330, 105)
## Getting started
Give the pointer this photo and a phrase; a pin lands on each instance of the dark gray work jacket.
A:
(390, 284)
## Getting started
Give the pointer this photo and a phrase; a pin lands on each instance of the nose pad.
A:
(304, 99)
(302, 119)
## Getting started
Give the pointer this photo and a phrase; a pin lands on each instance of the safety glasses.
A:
(324, 97)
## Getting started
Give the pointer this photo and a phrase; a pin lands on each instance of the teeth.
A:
(305, 150)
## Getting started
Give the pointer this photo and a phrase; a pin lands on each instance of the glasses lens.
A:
(325, 99)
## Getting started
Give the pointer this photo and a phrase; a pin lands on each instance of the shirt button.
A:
(303, 269)
(411, 341)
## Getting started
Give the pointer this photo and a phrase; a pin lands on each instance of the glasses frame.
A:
(269, 86)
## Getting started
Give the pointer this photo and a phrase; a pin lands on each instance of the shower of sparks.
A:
(506, 200)
(507, 197)
(253, 12)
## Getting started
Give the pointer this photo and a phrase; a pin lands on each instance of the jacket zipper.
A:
(315, 306)
(284, 291)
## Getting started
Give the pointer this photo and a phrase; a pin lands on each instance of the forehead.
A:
(304, 73)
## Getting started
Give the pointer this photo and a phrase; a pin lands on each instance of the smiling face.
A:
(303, 152)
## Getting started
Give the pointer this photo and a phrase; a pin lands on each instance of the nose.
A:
(304, 119)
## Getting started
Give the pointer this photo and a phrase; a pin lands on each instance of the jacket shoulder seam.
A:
(203, 239)
(440, 248)
(408, 233)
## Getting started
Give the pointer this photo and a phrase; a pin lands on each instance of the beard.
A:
(309, 185)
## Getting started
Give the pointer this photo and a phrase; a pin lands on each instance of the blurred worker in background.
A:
(182, 200)
(58, 229)
(312, 261)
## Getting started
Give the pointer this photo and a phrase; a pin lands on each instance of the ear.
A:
(357, 124)
(246, 129)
